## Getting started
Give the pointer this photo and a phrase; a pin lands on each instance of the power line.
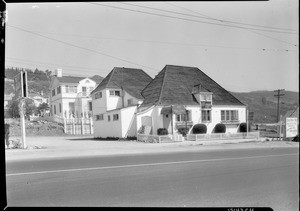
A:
(56, 65)
(243, 28)
(185, 19)
(225, 21)
(80, 47)
(164, 42)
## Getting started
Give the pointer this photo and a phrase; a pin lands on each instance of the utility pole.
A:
(278, 95)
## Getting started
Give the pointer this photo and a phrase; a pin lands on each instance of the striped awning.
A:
(175, 109)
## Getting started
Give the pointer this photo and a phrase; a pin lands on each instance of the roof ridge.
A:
(163, 82)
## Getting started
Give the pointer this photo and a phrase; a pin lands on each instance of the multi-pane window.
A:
(229, 115)
(205, 97)
(58, 90)
(108, 118)
(116, 117)
(54, 109)
(98, 95)
(183, 117)
(206, 115)
(53, 92)
(59, 108)
(114, 93)
(99, 117)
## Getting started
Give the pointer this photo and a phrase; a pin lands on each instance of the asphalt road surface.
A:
(231, 178)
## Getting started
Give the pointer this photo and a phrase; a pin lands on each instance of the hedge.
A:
(199, 129)
(220, 128)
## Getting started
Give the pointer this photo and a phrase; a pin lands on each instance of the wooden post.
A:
(22, 122)
(82, 129)
(73, 126)
(91, 125)
(65, 125)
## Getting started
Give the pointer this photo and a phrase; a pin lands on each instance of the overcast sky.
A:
(243, 46)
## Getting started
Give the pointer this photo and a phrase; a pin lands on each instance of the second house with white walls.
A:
(115, 102)
(70, 95)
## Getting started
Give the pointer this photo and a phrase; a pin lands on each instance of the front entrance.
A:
(167, 123)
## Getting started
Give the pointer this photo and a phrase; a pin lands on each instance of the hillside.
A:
(38, 80)
(264, 104)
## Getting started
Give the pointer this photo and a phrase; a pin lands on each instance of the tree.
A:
(30, 108)
(42, 108)
(13, 108)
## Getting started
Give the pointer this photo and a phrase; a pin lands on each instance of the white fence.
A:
(219, 136)
(159, 139)
(76, 126)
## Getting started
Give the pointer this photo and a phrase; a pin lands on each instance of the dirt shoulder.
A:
(42, 147)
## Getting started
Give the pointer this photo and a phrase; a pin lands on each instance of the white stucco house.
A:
(115, 102)
(182, 96)
(128, 99)
(70, 95)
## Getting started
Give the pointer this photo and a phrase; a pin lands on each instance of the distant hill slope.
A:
(38, 80)
(264, 104)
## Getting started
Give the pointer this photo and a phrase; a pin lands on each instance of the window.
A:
(53, 92)
(58, 90)
(54, 109)
(67, 89)
(116, 117)
(183, 117)
(98, 95)
(130, 101)
(229, 115)
(114, 93)
(59, 108)
(206, 115)
(90, 106)
(108, 118)
(205, 97)
(99, 117)
(72, 89)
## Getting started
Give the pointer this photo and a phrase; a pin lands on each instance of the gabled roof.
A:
(133, 81)
(174, 86)
(70, 79)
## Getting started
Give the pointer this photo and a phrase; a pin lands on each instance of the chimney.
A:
(58, 72)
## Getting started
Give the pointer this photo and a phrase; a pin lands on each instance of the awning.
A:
(175, 109)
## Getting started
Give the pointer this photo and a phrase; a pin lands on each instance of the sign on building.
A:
(291, 127)
(251, 116)
(20, 84)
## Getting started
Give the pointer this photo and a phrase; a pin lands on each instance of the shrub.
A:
(17, 144)
(162, 131)
(183, 130)
(7, 134)
(243, 127)
(199, 129)
(220, 128)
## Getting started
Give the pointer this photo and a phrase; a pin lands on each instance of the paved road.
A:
(244, 177)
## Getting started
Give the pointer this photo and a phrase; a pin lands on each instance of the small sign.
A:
(291, 127)
(251, 116)
(20, 84)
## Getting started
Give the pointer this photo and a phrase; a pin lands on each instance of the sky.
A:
(243, 46)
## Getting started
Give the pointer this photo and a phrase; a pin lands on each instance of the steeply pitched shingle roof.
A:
(174, 85)
(133, 81)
